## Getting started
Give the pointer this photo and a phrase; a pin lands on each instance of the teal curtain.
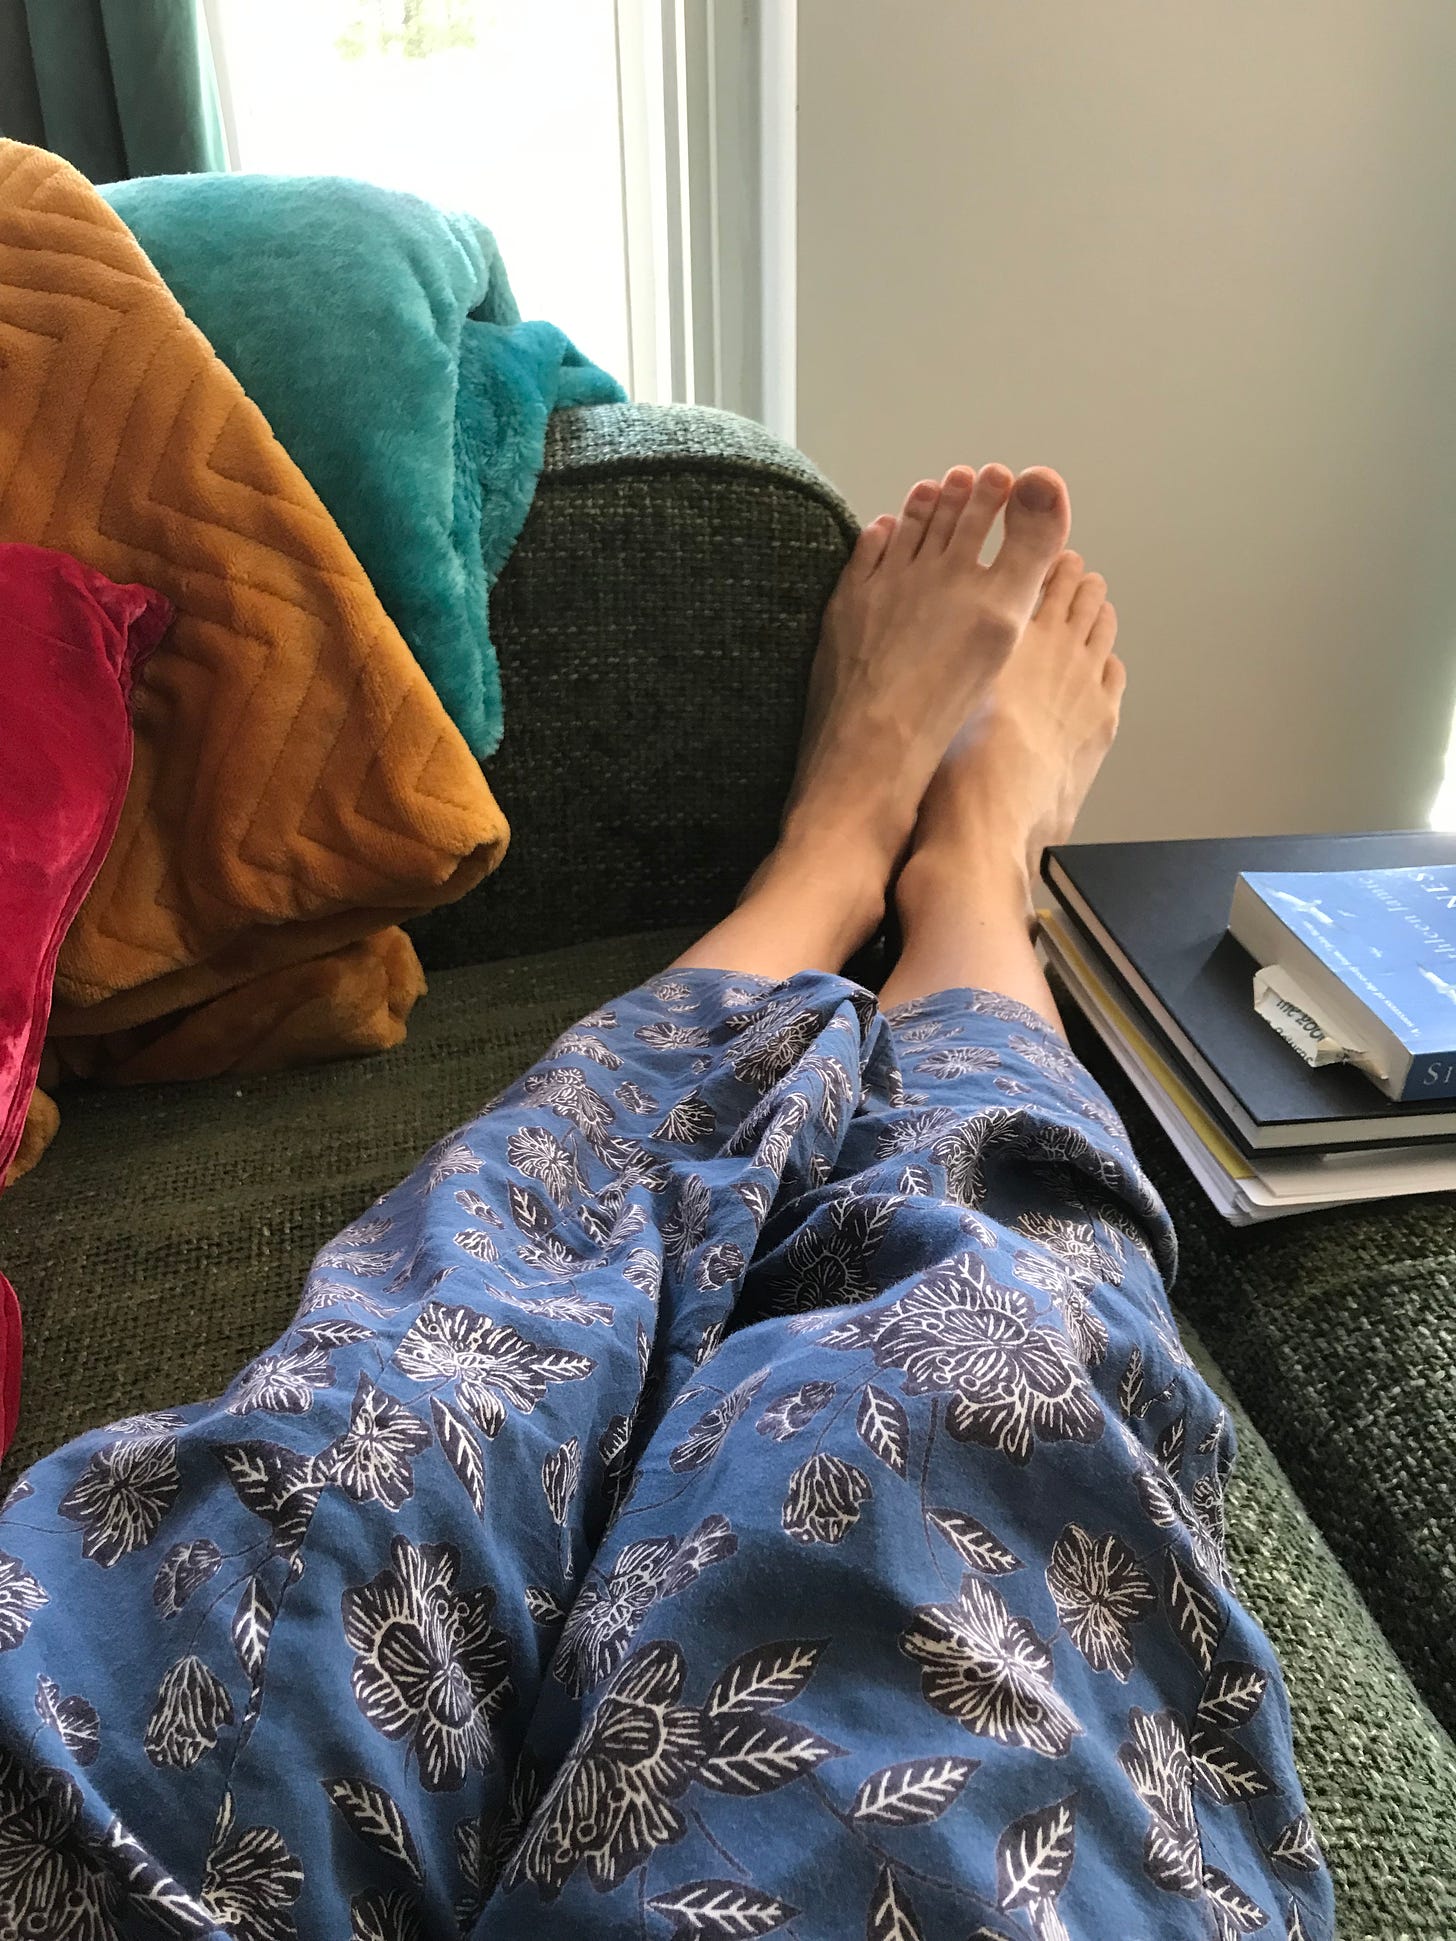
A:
(119, 87)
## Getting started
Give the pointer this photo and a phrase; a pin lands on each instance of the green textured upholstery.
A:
(1338, 1331)
(654, 629)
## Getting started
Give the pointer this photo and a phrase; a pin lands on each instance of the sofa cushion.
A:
(654, 628)
(166, 1241)
(1338, 1330)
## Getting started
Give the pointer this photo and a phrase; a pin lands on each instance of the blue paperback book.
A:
(1376, 952)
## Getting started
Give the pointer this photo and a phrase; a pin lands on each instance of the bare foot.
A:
(1016, 775)
(916, 633)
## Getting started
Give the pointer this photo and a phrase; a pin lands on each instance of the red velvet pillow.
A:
(71, 643)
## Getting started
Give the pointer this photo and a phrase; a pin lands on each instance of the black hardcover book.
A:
(1158, 913)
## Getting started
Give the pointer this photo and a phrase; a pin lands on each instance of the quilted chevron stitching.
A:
(235, 549)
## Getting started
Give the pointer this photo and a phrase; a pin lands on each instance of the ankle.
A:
(988, 880)
(836, 888)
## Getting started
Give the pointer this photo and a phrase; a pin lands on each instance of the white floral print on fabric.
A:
(717, 1459)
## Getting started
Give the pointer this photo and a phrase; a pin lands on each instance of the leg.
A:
(915, 1620)
(912, 641)
(1012, 782)
(967, 1619)
(267, 1662)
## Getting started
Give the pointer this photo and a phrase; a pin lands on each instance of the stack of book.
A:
(1355, 960)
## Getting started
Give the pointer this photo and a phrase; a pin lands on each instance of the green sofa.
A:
(655, 625)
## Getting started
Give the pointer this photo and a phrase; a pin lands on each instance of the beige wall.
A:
(1202, 258)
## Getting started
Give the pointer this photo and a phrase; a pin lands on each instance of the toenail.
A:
(1037, 495)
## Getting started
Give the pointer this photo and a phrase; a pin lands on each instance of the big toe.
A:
(1038, 519)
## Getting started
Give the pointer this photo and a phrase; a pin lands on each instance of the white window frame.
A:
(707, 104)
(707, 111)
(217, 47)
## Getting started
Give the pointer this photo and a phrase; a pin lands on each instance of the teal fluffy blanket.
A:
(380, 339)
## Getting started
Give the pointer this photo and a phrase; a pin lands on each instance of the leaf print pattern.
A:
(477, 1208)
(912, 1298)
(726, 1908)
(749, 1755)
(334, 1334)
(73, 1719)
(560, 1476)
(707, 1435)
(1297, 1846)
(1234, 1911)
(191, 1707)
(252, 1627)
(973, 1543)
(49, 1885)
(1194, 1610)
(429, 1667)
(989, 1669)
(790, 1414)
(1100, 1590)
(824, 1498)
(185, 1569)
(21, 1596)
(770, 1675)
(461, 1450)
(892, 1915)
(912, 1792)
(1010, 1377)
(1034, 1855)
(540, 1155)
(493, 1367)
(884, 1428)
(370, 1462)
(276, 1484)
(120, 1498)
(371, 1813)
(251, 1880)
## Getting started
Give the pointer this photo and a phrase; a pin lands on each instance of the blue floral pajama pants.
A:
(746, 1482)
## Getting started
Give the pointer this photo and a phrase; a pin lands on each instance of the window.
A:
(507, 111)
(635, 159)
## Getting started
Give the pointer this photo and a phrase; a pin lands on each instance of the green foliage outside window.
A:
(415, 28)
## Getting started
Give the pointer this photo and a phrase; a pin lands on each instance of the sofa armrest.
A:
(654, 625)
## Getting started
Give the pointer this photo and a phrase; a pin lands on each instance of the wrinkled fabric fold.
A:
(748, 1475)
